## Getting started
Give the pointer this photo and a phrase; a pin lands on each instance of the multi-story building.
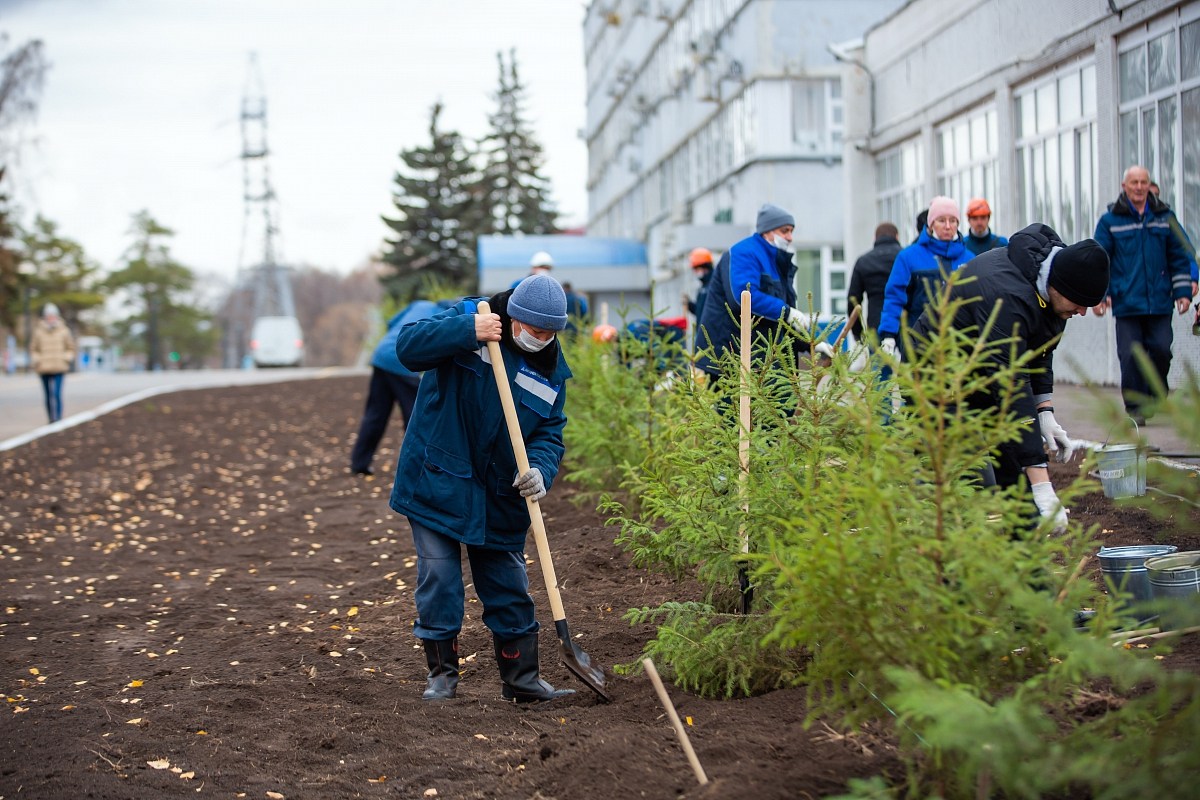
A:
(699, 111)
(1037, 105)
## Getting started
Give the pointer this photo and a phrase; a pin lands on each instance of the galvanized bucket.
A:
(1124, 568)
(1175, 584)
(1122, 469)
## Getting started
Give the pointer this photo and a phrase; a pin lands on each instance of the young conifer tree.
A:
(518, 195)
(440, 212)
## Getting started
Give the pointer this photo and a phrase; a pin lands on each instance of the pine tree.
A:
(441, 213)
(518, 194)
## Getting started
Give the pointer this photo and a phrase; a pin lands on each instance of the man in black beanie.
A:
(1040, 283)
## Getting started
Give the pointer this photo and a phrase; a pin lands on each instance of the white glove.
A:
(799, 320)
(888, 348)
(824, 349)
(531, 484)
(1055, 437)
(1048, 505)
(858, 355)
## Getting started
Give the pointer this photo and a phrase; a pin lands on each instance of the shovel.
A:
(826, 361)
(576, 660)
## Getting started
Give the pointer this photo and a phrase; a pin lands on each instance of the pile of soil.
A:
(199, 598)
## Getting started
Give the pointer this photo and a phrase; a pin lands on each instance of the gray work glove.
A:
(1056, 439)
(1049, 506)
(531, 484)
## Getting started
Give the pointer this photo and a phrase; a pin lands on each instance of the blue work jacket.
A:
(1149, 266)
(917, 270)
(457, 464)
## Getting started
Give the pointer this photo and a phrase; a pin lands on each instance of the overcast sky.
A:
(141, 104)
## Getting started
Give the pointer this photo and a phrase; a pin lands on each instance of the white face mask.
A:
(782, 244)
(527, 341)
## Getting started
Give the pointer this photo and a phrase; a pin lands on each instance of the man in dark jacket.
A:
(870, 276)
(455, 480)
(761, 263)
(1040, 284)
(979, 238)
(1151, 273)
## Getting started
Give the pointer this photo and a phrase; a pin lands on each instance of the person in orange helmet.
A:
(702, 265)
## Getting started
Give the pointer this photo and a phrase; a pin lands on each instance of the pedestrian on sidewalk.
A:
(1151, 274)
(457, 479)
(52, 354)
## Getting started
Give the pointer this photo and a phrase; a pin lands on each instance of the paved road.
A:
(87, 395)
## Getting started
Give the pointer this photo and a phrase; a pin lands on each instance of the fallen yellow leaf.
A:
(275, 795)
(353, 612)
(187, 776)
(134, 721)
(134, 684)
(161, 763)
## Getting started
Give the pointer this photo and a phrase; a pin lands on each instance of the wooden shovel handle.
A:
(853, 318)
(518, 445)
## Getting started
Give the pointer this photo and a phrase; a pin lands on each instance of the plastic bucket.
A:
(1175, 584)
(1122, 469)
(1124, 568)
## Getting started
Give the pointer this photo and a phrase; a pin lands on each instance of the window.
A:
(900, 183)
(1056, 147)
(967, 154)
(817, 115)
(1159, 74)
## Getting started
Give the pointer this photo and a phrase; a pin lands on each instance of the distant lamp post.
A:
(27, 270)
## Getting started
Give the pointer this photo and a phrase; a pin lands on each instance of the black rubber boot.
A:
(521, 681)
(442, 657)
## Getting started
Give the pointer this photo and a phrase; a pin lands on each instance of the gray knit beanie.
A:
(771, 217)
(539, 301)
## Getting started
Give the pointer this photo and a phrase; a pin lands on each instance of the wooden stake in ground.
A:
(744, 450)
(675, 721)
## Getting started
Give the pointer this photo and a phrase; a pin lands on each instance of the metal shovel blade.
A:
(578, 661)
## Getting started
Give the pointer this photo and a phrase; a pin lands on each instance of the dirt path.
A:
(198, 598)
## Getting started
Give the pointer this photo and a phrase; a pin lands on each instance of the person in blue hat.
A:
(457, 479)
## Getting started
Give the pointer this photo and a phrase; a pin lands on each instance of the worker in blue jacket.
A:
(1151, 274)
(762, 263)
(391, 384)
(920, 269)
(457, 479)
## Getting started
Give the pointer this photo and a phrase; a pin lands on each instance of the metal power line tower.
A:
(266, 279)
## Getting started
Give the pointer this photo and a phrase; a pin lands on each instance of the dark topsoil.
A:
(196, 580)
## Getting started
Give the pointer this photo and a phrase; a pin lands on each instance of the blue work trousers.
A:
(500, 582)
(1154, 334)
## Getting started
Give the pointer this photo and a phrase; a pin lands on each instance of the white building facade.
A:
(700, 111)
(1037, 105)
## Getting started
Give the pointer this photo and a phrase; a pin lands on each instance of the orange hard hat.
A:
(978, 207)
(604, 333)
(700, 257)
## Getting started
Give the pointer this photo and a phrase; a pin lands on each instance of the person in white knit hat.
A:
(52, 352)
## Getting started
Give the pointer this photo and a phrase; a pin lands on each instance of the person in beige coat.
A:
(52, 352)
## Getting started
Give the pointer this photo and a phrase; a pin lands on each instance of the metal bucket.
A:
(1124, 568)
(1175, 585)
(1122, 469)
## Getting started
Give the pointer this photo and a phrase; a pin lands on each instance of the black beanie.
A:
(1080, 273)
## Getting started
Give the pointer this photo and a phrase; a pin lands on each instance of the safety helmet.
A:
(700, 257)
(541, 259)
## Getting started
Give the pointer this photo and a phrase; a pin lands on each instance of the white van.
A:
(277, 342)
